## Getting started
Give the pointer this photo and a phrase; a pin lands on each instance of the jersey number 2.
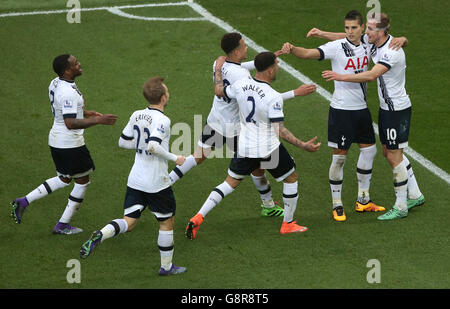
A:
(252, 112)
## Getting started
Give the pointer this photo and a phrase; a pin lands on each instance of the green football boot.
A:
(275, 211)
(416, 202)
(394, 213)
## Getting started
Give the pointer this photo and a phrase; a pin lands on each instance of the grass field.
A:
(236, 247)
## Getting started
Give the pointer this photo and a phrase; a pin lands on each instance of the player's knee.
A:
(258, 172)
(66, 180)
(167, 224)
(131, 222)
(291, 178)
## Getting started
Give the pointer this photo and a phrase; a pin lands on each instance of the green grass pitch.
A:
(236, 247)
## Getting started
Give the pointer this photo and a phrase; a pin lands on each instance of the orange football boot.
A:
(292, 227)
(370, 206)
(193, 226)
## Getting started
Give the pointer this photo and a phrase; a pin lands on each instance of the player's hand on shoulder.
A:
(397, 43)
(220, 61)
(180, 160)
(314, 32)
(311, 145)
(304, 90)
(107, 119)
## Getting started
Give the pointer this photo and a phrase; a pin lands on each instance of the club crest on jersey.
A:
(277, 106)
(161, 129)
(386, 57)
(67, 104)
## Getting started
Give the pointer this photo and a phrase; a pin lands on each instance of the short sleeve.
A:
(389, 58)
(127, 132)
(276, 109)
(328, 50)
(230, 92)
(69, 105)
(160, 130)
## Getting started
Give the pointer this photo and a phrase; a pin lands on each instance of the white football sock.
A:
(413, 187)
(215, 197)
(400, 185)
(290, 197)
(336, 175)
(165, 245)
(50, 185)
(181, 170)
(115, 227)
(364, 172)
(263, 186)
(75, 199)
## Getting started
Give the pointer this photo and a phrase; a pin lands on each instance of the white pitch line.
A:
(225, 26)
(104, 8)
(306, 80)
(121, 13)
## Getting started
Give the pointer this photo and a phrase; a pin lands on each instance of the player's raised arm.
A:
(330, 36)
(218, 80)
(301, 52)
(286, 135)
(363, 77)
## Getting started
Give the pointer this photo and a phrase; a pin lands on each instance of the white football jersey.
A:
(149, 172)
(224, 114)
(347, 58)
(391, 85)
(259, 106)
(66, 101)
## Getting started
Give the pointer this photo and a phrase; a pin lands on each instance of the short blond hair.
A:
(154, 89)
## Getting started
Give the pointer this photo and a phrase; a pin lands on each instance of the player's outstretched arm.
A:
(250, 65)
(105, 119)
(286, 135)
(302, 90)
(364, 77)
(330, 36)
(89, 114)
(300, 52)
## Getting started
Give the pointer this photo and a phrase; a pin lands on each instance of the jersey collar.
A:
(389, 37)
(352, 42)
(232, 62)
(260, 81)
(66, 80)
(155, 109)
